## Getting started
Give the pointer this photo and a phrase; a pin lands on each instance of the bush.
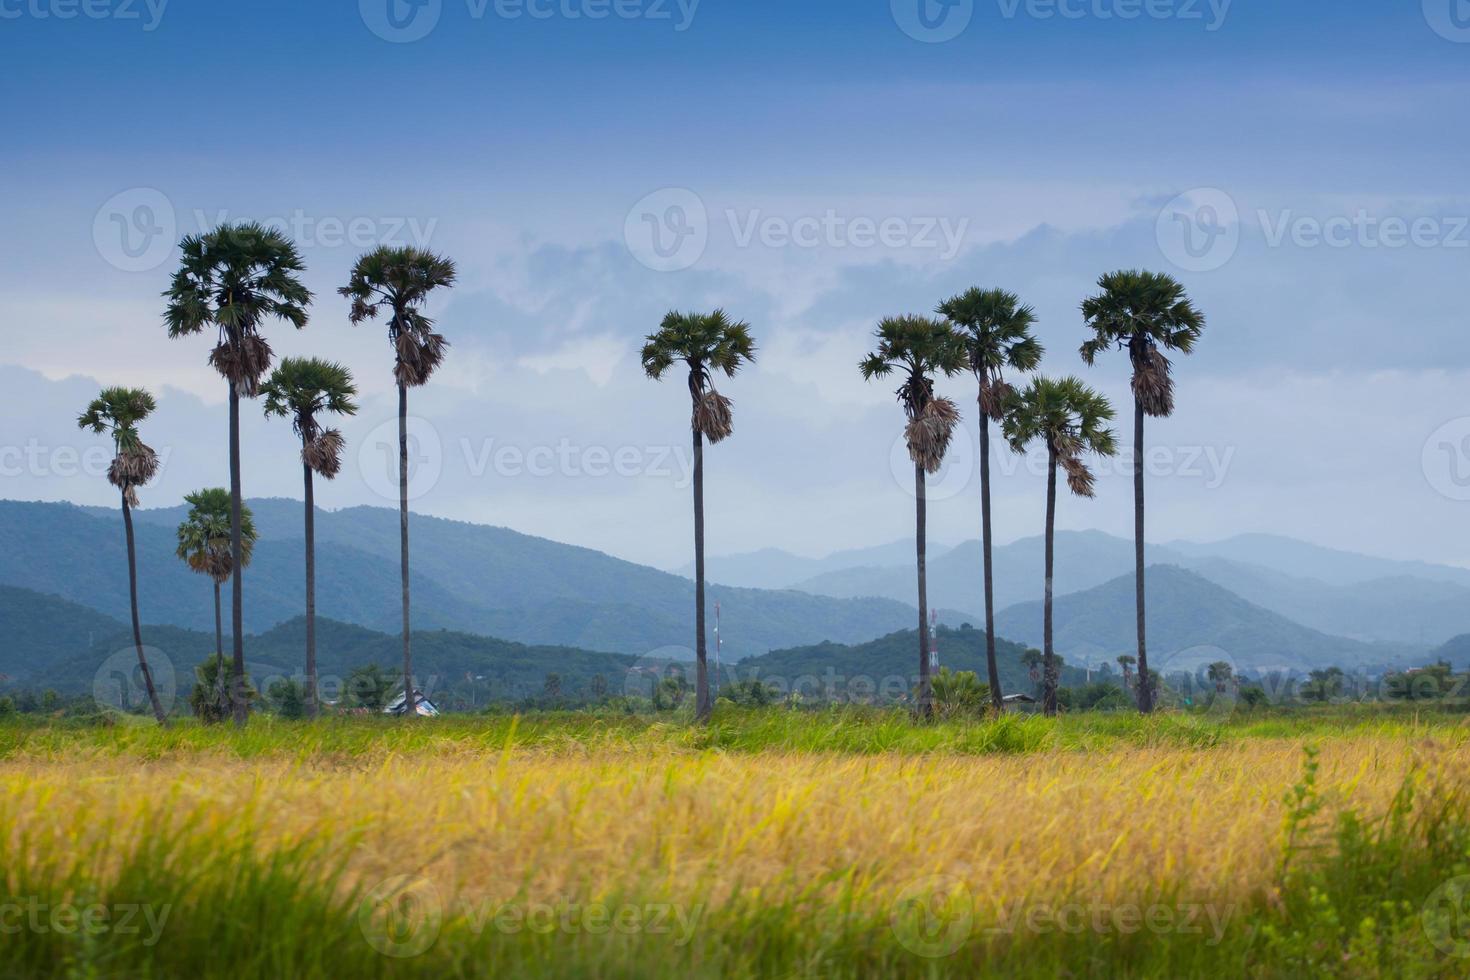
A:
(213, 681)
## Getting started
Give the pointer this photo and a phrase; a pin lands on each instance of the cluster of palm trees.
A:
(241, 277)
(988, 332)
(236, 280)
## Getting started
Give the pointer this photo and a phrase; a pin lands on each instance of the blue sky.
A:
(1313, 152)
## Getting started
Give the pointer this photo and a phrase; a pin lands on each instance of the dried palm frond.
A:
(243, 365)
(1079, 478)
(915, 393)
(132, 468)
(420, 352)
(928, 435)
(1153, 384)
(323, 454)
(993, 395)
(712, 416)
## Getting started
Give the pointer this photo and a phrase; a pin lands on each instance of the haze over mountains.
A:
(1358, 597)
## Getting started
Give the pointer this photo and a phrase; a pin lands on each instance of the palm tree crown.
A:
(996, 330)
(707, 343)
(236, 277)
(204, 534)
(400, 280)
(302, 388)
(1070, 418)
(119, 410)
(1143, 312)
(920, 347)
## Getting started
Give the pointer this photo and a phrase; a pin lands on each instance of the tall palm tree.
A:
(301, 389)
(1145, 313)
(997, 332)
(399, 281)
(204, 544)
(1069, 418)
(919, 347)
(118, 411)
(235, 278)
(707, 343)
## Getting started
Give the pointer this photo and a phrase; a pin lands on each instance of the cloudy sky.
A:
(811, 167)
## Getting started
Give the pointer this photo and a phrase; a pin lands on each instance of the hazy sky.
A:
(809, 166)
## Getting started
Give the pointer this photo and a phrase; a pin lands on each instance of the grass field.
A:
(776, 842)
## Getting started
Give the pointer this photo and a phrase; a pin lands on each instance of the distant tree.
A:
(1221, 674)
(599, 687)
(370, 686)
(708, 344)
(288, 698)
(918, 348)
(551, 687)
(118, 411)
(234, 279)
(400, 281)
(1032, 660)
(752, 692)
(7, 706)
(204, 544)
(50, 701)
(959, 694)
(996, 329)
(301, 389)
(1070, 420)
(1126, 661)
(1325, 683)
(1145, 313)
(217, 690)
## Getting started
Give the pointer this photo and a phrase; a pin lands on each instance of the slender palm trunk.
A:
(410, 705)
(997, 699)
(137, 630)
(926, 690)
(311, 685)
(1145, 688)
(238, 701)
(703, 708)
(1049, 661)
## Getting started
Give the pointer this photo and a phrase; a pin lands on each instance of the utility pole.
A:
(933, 641)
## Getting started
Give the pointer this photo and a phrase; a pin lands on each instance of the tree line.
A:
(239, 278)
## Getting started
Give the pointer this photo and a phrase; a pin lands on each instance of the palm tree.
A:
(1146, 313)
(118, 411)
(920, 347)
(997, 332)
(707, 343)
(300, 389)
(235, 278)
(400, 281)
(1126, 661)
(204, 544)
(1069, 418)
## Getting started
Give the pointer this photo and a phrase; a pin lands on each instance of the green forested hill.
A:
(466, 577)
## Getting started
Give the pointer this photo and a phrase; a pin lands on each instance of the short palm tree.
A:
(918, 348)
(708, 343)
(1147, 313)
(398, 282)
(1126, 661)
(204, 545)
(997, 332)
(301, 389)
(1070, 419)
(118, 411)
(234, 279)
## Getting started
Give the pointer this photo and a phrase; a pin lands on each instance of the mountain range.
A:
(1339, 593)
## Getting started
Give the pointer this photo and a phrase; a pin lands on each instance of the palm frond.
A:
(928, 435)
(712, 416)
